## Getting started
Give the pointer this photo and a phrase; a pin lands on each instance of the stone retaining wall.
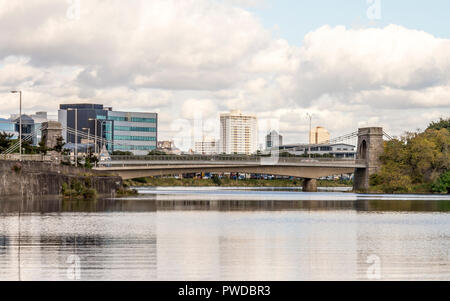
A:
(33, 180)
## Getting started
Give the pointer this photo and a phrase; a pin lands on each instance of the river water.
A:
(228, 234)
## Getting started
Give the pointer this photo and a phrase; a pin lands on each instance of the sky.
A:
(351, 63)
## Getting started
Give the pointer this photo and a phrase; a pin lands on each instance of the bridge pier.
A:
(309, 185)
(370, 148)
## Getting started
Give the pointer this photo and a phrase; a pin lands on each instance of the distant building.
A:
(29, 132)
(39, 118)
(272, 138)
(123, 131)
(319, 135)
(8, 127)
(339, 150)
(208, 146)
(238, 133)
(168, 147)
(31, 125)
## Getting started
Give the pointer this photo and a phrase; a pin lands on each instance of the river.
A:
(227, 234)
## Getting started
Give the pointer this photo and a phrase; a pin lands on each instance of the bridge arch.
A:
(363, 150)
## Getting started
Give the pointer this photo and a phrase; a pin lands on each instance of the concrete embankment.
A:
(33, 180)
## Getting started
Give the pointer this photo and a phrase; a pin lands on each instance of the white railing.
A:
(36, 158)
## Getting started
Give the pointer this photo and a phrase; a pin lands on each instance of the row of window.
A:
(135, 138)
(132, 119)
(134, 129)
(134, 147)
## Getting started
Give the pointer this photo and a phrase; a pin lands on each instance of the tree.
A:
(59, 147)
(414, 160)
(90, 160)
(5, 141)
(442, 185)
(121, 153)
(156, 153)
(441, 124)
(43, 149)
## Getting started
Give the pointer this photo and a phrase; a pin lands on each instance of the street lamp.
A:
(89, 138)
(310, 116)
(20, 122)
(101, 133)
(76, 134)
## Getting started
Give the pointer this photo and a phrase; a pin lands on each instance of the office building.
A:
(319, 135)
(31, 125)
(117, 131)
(238, 133)
(168, 147)
(8, 127)
(273, 139)
(29, 132)
(207, 146)
(131, 131)
(338, 150)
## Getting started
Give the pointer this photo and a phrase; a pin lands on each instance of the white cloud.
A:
(179, 58)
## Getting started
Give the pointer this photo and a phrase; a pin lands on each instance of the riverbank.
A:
(225, 182)
(41, 180)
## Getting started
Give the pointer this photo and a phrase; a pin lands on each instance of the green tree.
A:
(441, 124)
(5, 141)
(121, 153)
(43, 149)
(59, 147)
(414, 160)
(442, 185)
(156, 153)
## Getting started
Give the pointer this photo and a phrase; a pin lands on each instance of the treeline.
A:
(416, 162)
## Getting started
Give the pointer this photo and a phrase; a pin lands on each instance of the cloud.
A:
(179, 58)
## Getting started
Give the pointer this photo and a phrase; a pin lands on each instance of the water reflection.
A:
(152, 205)
(152, 237)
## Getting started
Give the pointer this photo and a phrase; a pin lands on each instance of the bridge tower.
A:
(50, 133)
(370, 148)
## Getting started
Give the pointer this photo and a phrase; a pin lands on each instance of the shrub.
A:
(375, 180)
(17, 168)
(442, 184)
(216, 180)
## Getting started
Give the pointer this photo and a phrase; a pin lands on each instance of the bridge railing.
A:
(225, 158)
(35, 158)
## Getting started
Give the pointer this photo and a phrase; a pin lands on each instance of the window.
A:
(134, 147)
(138, 119)
(135, 138)
(117, 118)
(134, 129)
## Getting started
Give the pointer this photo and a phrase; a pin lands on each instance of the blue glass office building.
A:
(8, 127)
(134, 132)
(124, 131)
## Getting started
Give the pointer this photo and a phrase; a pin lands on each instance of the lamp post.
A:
(101, 133)
(310, 116)
(76, 135)
(20, 123)
(95, 137)
(89, 138)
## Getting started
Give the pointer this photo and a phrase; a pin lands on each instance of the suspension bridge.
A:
(369, 148)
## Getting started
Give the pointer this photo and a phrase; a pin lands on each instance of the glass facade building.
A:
(132, 131)
(8, 126)
(123, 131)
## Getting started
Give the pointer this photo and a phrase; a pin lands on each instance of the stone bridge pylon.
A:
(370, 148)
